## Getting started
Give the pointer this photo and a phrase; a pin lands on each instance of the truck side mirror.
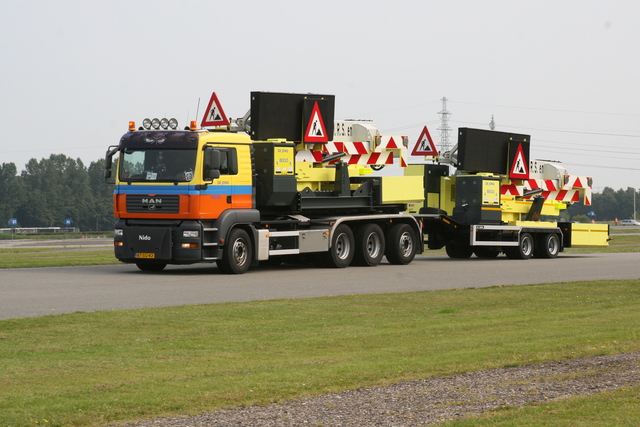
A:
(108, 165)
(211, 164)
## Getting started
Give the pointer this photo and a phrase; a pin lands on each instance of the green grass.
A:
(96, 368)
(611, 409)
(55, 257)
(56, 236)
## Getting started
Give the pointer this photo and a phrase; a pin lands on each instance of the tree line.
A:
(49, 191)
(609, 205)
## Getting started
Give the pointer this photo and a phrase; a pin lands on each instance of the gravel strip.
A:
(434, 400)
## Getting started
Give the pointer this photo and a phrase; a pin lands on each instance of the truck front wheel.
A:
(155, 266)
(237, 254)
(401, 244)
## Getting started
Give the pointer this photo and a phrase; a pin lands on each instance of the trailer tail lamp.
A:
(132, 126)
(189, 246)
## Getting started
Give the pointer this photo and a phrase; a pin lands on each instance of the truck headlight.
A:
(190, 233)
(118, 232)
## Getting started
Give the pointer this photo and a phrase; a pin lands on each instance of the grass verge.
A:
(611, 409)
(58, 257)
(102, 367)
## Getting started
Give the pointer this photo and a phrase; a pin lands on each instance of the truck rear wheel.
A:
(549, 246)
(524, 250)
(401, 244)
(341, 252)
(237, 254)
(369, 240)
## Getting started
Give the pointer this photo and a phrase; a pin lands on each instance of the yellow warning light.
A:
(132, 126)
(193, 125)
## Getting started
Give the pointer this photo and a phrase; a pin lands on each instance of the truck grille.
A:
(153, 204)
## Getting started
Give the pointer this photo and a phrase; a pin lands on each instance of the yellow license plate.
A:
(145, 255)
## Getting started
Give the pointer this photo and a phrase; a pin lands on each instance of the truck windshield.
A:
(153, 165)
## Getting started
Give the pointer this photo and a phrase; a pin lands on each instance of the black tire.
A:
(458, 251)
(341, 252)
(401, 244)
(151, 266)
(369, 249)
(524, 250)
(548, 246)
(237, 254)
(486, 252)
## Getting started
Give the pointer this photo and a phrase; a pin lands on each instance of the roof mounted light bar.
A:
(157, 124)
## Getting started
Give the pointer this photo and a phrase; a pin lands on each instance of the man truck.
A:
(287, 182)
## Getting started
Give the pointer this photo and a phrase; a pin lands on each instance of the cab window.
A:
(228, 161)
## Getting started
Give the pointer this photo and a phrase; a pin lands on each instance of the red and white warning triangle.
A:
(214, 114)
(425, 146)
(316, 131)
(519, 169)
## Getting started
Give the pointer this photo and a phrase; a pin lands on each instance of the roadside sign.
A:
(316, 132)
(425, 146)
(519, 163)
(214, 114)
(13, 222)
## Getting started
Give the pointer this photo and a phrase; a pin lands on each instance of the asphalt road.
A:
(47, 291)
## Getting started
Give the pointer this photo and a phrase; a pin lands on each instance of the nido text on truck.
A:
(287, 182)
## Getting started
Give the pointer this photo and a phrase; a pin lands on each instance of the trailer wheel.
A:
(458, 251)
(341, 252)
(524, 250)
(549, 246)
(370, 243)
(237, 254)
(401, 244)
(146, 266)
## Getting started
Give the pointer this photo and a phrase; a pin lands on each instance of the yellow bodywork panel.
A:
(447, 194)
(402, 189)
(320, 177)
(588, 235)
(514, 208)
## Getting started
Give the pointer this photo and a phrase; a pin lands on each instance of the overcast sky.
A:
(566, 72)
